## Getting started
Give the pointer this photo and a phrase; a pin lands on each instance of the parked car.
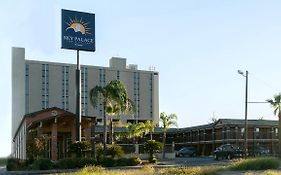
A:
(186, 151)
(228, 151)
(261, 151)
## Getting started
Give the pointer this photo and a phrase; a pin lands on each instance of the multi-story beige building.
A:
(38, 85)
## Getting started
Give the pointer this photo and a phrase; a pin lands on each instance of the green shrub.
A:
(123, 162)
(36, 148)
(114, 151)
(3, 161)
(14, 164)
(107, 162)
(66, 164)
(86, 162)
(132, 161)
(75, 163)
(100, 152)
(80, 148)
(42, 164)
(152, 147)
(135, 161)
(261, 163)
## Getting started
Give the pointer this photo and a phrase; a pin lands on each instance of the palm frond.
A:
(277, 98)
(275, 104)
(94, 95)
(270, 101)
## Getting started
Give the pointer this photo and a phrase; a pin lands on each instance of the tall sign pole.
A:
(78, 100)
(78, 33)
(246, 114)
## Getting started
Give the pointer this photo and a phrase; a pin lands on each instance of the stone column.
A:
(87, 133)
(73, 132)
(54, 141)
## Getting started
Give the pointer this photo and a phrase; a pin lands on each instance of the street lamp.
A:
(246, 110)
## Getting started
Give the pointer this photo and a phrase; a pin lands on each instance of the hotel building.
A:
(41, 86)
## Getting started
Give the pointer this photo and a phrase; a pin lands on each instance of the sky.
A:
(197, 46)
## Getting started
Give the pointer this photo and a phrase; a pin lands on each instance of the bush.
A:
(36, 148)
(66, 164)
(75, 163)
(86, 162)
(80, 148)
(107, 162)
(261, 163)
(135, 161)
(152, 147)
(42, 164)
(3, 161)
(100, 152)
(114, 151)
(123, 162)
(14, 164)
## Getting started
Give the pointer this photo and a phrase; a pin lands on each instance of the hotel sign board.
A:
(78, 30)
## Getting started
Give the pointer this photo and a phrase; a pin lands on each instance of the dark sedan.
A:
(186, 151)
(228, 151)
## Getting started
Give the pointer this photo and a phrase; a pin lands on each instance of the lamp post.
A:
(246, 111)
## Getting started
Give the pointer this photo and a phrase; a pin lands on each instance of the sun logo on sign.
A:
(78, 26)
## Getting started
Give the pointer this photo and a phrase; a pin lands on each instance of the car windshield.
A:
(182, 149)
(186, 148)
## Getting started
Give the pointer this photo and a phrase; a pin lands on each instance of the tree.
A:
(167, 121)
(135, 131)
(152, 147)
(275, 104)
(149, 127)
(115, 100)
(36, 147)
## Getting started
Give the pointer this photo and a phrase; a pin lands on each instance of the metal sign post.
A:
(78, 33)
(78, 100)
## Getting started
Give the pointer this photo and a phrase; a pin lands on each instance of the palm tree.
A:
(149, 127)
(135, 131)
(115, 100)
(167, 121)
(275, 104)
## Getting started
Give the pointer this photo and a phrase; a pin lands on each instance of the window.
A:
(26, 88)
(118, 75)
(65, 87)
(242, 131)
(45, 86)
(257, 130)
(137, 92)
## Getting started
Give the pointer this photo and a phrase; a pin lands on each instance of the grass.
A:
(262, 163)
(101, 171)
(205, 170)
(3, 161)
(268, 172)
(149, 170)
